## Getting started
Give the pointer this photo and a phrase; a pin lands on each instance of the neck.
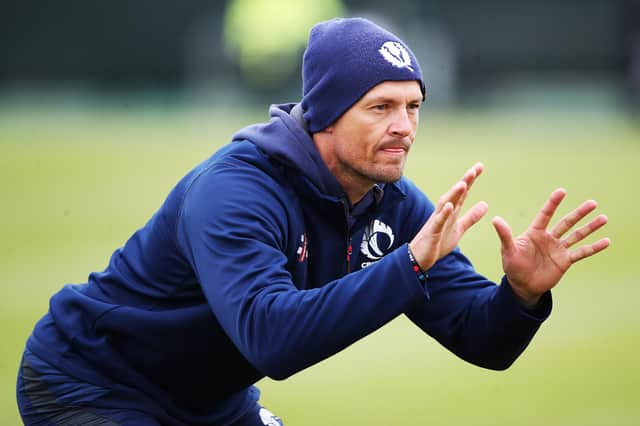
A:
(354, 185)
(355, 191)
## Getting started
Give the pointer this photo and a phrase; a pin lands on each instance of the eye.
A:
(380, 107)
(414, 106)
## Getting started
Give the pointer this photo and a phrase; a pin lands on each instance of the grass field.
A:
(75, 182)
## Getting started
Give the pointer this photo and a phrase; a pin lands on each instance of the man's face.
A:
(369, 143)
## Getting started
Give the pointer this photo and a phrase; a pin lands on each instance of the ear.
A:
(320, 138)
(328, 129)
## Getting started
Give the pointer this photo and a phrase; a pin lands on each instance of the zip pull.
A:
(349, 252)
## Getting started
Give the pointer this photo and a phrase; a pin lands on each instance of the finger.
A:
(568, 221)
(440, 218)
(542, 219)
(589, 250)
(472, 174)
(504, 233)
(472, 217)
(452, 195)
(469, 178)
(586, 230)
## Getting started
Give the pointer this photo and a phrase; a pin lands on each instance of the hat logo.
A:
(395, 53)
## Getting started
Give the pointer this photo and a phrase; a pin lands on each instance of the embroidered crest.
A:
(396, 54)
(377, 239)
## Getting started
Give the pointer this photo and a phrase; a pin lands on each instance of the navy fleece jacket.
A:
(257, 265)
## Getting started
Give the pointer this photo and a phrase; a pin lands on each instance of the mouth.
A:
(394, 150)
(395, 147)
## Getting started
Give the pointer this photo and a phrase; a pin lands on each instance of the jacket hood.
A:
(286, 139)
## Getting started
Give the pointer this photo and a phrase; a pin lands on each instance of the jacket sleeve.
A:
(477, 320)
(234, 228)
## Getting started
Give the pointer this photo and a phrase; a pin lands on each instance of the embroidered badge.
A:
(376, 241)
(396, 54)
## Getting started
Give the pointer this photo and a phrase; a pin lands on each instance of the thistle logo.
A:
(377, 239)
(396, 54)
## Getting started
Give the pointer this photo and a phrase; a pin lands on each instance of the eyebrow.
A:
(387, 100)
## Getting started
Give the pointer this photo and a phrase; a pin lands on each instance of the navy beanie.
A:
(344, 59)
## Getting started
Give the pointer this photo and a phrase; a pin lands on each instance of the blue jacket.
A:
(257, 265)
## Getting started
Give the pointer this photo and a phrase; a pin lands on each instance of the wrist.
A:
(420, 272)
(526, 300)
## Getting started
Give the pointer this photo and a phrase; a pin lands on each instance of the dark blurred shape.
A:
(498, 36)
(630, 42)
(116, 43)
(466, 45)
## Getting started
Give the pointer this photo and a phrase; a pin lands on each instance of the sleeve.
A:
(477, 320)
(233, 228)
(473, 317)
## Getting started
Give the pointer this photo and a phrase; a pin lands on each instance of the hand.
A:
(441, 233)
(535, 261)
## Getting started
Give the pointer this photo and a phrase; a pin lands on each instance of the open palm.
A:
(535, 261)
(445, 227)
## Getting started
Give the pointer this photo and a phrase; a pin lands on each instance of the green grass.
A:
(76, 182)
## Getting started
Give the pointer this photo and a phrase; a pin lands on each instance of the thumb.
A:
(504, 233)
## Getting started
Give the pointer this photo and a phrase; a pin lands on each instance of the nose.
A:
(401, 125)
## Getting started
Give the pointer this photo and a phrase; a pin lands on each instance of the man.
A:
(287, 245)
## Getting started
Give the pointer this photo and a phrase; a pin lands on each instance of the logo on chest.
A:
(376, 241)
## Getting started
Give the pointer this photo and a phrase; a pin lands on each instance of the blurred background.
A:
(104, 106)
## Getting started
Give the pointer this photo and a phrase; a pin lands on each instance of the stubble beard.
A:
(377, 173)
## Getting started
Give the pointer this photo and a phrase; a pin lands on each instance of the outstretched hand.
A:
(441, 233)
(535, 261)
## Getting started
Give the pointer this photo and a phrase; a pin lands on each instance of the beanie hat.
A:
(344, 59)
